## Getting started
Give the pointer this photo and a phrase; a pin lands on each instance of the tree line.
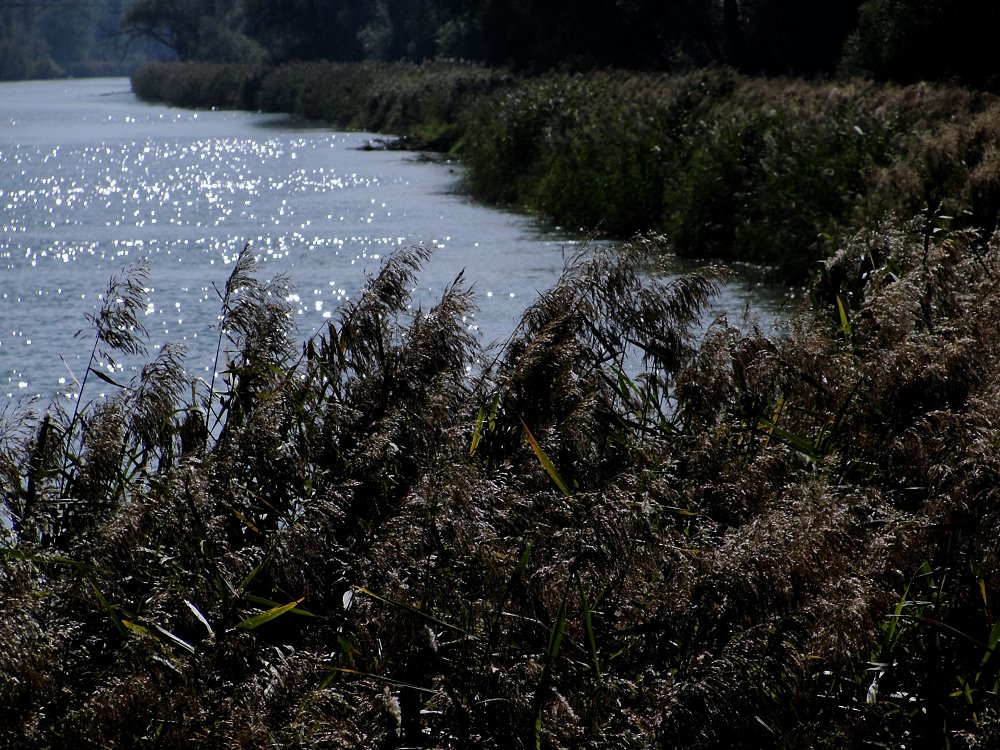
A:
(57, 38)
(898, 40)
(893, 40)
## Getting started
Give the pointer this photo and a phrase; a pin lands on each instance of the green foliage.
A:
(194, 30)
(222, 85)
(766, 35)
(769, 172)
(63, 38)
(725, 165)
(904, 41)
(145, 542)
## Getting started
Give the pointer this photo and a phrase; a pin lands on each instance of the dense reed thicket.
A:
(387, 538)
(768, 171)
(424, 102)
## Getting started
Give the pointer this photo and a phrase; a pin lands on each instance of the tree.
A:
(308, 29)
(403, 30)
(194, 29)
(788, 37)
(913, 40)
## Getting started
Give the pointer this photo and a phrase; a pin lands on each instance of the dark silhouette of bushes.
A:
(423, 102)
(614, 535)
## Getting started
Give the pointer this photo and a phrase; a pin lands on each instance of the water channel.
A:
(91, 180)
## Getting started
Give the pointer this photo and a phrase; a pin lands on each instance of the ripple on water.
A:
(97, 182)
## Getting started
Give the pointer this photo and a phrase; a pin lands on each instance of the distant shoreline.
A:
(771, 172)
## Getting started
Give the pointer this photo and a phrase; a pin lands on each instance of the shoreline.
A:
(774, 172)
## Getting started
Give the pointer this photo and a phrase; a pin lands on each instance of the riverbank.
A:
(381, 537)
(772, 172)
(759, 543)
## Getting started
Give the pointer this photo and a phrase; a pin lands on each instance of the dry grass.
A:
(790, 541)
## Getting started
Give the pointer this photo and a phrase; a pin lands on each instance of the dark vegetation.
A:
(386, 537)
(77, 38)
(360, 542)
(888, 40)
(770, 171)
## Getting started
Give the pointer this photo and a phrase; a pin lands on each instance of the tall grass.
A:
(423, 102)
(774, 172)
(788, 541)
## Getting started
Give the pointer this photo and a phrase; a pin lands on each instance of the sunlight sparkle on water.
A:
(92, 180)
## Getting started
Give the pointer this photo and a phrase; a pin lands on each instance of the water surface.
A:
(91, 179)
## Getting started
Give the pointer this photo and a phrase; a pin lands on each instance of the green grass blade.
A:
(106, 606)
(16, 554)
(137, 628)
(413, 610)
(991, 644)
(555, 643)
(264, 617)
(545, 461)
(806, 447)
(380, 678)
(271, 604)
(477, 432)
(845, 324)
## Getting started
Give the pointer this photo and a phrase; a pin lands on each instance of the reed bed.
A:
(356, 541)
(775, 172)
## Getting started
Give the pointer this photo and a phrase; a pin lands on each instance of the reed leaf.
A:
(588, 629)
(545, 461)
(261, 618)
(412, 610)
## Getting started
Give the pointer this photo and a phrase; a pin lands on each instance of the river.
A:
(92, 179)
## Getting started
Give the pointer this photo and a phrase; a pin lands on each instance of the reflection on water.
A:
(92, 180)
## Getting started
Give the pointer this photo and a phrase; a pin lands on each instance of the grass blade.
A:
(545, 461)
(271, 604)
(264, 617)
(555, 643)
(588, 626)
(106, 606)
(106, 378)
(413, 610)
(845, 324)
(477, 432)
(201, 618)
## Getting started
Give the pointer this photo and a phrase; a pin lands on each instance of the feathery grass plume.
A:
(153, 403)
(117, 323)
(804, 554)
(117, 329)
(414, 387)
(240, 277)
(30, 662)
(885, 428)
(129, 434)
(98, 470)
(611, 313)
(367, 325)
(256, 321)
(390, 391)
(19, 463)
